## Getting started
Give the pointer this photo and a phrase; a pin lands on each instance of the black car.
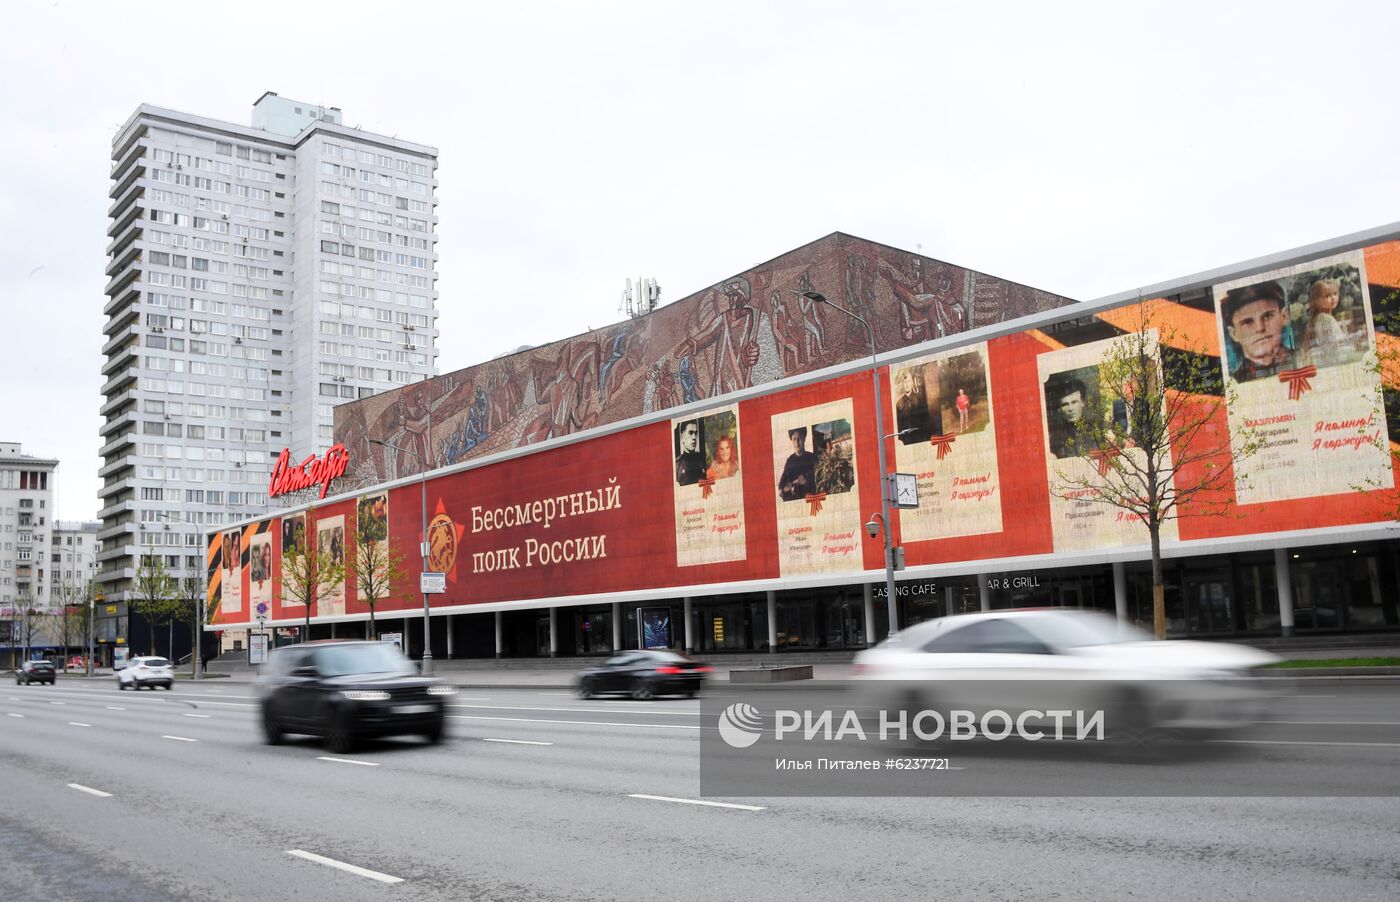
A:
(348, 691)
(644, 674)
(34, 672)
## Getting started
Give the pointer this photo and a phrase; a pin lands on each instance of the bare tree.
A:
(68, 618)
(155, 595)
(26, 621)
(188, 606)
(308, 574)
(1158, 434)
(374, 566)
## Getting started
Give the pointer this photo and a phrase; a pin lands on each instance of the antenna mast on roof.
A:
(641, 302)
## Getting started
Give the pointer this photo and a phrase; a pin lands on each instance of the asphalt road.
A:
(172, 795)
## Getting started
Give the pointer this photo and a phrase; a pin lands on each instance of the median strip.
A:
(635, 795)
(90, 791)
(1381, 745)
(342, 866)
(579, 723)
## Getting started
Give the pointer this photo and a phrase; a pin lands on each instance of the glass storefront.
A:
(1335, 589)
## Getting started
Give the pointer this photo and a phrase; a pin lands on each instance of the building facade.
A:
(744, 517)
(259, 275)
(27, 578)
(27, 519)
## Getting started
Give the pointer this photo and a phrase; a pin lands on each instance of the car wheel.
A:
(120, 684)
(584, 690)
(340, 739)
(642, 691)
(272, 730)
(169, 686)
(434, 733)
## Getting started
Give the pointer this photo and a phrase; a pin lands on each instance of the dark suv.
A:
(34, 672)
(347, 691)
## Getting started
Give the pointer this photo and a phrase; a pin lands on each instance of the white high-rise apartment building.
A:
(27, 520)
(259, 276)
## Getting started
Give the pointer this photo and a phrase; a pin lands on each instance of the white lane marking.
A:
(1386, 745)
(88, 789)
(348, 761)
(518, 741)
(16, 715)
(579, 723)
(58, 703)
(199, 715)
(342, 866)
(74, 723)
(652, 712)
(180, 738)
(637, 795)
(115, 708)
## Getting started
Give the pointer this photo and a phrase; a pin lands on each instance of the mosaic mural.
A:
(744, 331)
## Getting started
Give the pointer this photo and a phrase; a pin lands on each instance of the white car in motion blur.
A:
(1037, 660)
(147, 670)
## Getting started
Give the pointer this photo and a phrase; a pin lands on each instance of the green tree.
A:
(1158, 432)
(308, 574)
(154, 595)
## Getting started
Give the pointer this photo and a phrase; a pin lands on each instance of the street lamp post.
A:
(880, 447)
(423, 545)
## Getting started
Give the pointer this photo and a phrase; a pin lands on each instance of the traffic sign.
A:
(432, 583)
(261, 612)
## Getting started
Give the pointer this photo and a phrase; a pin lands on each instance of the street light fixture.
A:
(815, 297)
(423, 546)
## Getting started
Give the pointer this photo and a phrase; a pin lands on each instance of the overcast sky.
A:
(1082, 149)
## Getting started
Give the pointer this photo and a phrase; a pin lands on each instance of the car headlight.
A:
(442, 690)
(366, 695)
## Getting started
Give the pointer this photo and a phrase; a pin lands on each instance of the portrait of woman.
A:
(726, 460)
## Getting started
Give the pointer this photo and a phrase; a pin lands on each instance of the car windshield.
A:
(1079, 630)
(370, 658)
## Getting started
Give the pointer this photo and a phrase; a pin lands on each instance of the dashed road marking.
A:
(518, 741)
(342, 866)
(180, 738)
(90, 791)
(348, 761)
(635, 795)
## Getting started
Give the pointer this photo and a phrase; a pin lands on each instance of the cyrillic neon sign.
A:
(289, 477)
